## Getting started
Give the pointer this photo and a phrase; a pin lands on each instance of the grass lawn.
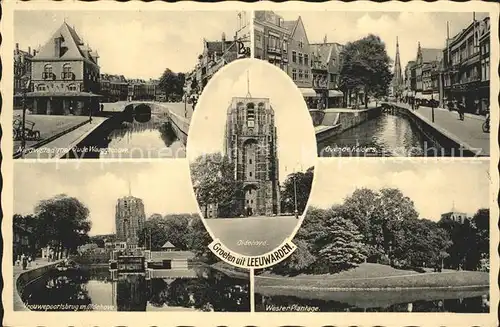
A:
(375, 276)
(270, 232)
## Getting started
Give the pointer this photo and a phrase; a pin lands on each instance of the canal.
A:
(133, 135)
(456, 301)
(93, 288)
(386, 135)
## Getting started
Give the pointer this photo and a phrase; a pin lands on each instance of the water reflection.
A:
(95, 289)
(470, 301)
(145, 136)
(386, 135)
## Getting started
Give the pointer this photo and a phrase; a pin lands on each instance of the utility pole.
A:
(432, 104)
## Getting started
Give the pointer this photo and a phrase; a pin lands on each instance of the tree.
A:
(297, 262)
(365, 64)
(172, 228)
(303, 183)
(214, 184)
(172, 83)
(343, 248)
(63, 223)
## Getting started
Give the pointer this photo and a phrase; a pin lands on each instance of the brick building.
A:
(426, 65)
(466, 66)
(251, 144)
(129, 220)
(22, 73)
(65, 76)
(271, 39)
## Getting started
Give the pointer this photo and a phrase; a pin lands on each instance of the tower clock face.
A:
(251, 123)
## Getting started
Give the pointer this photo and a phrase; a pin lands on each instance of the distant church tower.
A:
(129, 219)
(251, 144)
(397, 79)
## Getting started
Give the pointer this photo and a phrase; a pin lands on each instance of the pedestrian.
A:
(24, 260)
(461, 110)
(29, 261)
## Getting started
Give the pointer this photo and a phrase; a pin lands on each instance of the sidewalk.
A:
(468, 132)
(18, 304)
(63, 144)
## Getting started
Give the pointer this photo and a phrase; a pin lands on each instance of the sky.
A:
(411, 27)
(137, 44)
(296, 137)
(434, 187)
(164, 186)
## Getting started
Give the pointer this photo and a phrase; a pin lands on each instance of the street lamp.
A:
(90, 108)
(295, 195)
(432, 104)
(26, 86)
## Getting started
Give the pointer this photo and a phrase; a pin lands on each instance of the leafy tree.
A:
(172, 83)
(365, 64)
(214, 184)
(303, 183)
(297, 262)
(158, 230)
(344, 248)
(63, 222)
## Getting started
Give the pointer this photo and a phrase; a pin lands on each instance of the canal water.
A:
(469, 301)
(136, 136)
(95, 289)
(386, 135)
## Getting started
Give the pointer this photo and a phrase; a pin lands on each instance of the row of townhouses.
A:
(460, 71)
(314, 67)
(217, 54)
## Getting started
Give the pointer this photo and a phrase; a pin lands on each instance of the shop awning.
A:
(307, 92)
(335, 94)
(62, 94)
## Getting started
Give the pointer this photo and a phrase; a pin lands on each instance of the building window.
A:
(300, 74)
(294, 56)
(306, 59)
(250, 161)
(41, 87)
(306, 74)
(332, 78)
(300, 58)
(301, 44)
(294, 74)
(72, 87)
(285, 46)
(67, 74)
(250, 174)
(47, 71)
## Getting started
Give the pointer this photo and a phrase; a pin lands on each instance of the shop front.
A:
(64, 103)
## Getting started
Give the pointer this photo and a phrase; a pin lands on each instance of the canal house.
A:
(65, 76)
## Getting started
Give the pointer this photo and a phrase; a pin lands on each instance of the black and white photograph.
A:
(252, 152)
(410, 236)
(115, 84)
(102, 237)
(378, 84)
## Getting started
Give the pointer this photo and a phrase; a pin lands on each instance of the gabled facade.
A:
(300, 59)
(65, 75)
(271, 39)
(22, 73)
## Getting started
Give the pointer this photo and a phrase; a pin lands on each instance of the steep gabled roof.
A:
(290, 25)
(168, 245)
(216, 46)
(71, 44)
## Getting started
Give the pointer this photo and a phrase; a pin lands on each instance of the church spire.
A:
(398, 75)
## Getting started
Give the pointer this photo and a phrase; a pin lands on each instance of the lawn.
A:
(375, 276)
(267, 233)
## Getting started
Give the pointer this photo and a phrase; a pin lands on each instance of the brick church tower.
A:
(251, 144)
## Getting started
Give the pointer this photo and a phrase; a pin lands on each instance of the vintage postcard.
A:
(250, 164)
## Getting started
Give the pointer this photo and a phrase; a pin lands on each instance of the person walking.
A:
(24, 261)
(461, 110)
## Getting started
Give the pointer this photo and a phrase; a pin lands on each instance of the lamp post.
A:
(432, 104)
(295, 194)
(25, 91)
(90, 108)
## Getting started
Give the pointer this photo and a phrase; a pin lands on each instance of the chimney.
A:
(57, 47)
(34, 52)
(17, 48)
(29, 51)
